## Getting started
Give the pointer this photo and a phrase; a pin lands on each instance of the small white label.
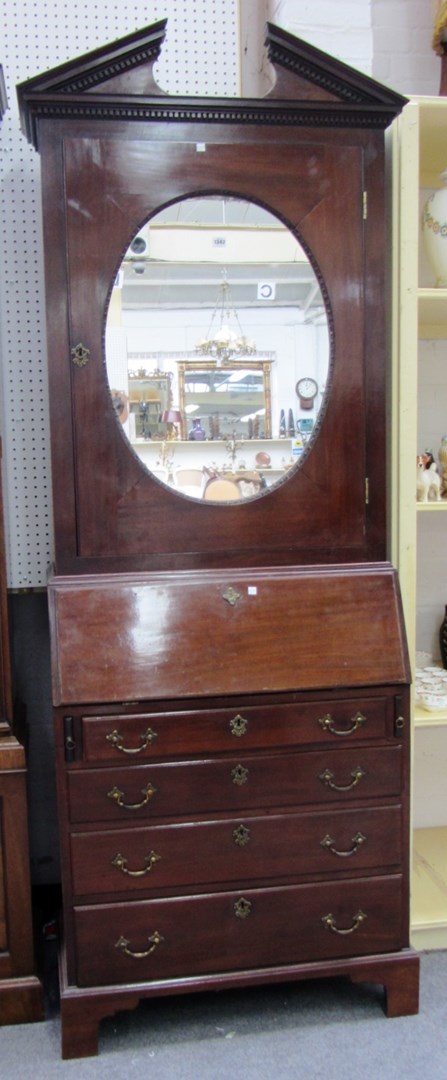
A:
(252, 590)
(200, 147)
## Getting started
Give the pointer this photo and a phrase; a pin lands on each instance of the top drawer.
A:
(146, 736)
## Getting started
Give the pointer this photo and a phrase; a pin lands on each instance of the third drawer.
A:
(156, 857)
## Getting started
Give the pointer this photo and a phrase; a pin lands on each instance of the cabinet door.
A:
(315, 185)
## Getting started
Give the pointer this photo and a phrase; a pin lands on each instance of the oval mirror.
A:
(217, 349)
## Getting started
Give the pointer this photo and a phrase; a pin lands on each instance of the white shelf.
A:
(424, 718)
(431, 507)
(429, 889)
(432, 313)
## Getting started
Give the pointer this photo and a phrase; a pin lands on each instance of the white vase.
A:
(434, 232)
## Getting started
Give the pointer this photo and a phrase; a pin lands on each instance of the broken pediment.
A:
(116, 82)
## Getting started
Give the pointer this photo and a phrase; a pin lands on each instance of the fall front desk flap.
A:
(151, 636)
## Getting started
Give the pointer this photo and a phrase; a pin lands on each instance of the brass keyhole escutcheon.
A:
(242, 908)
(239, 775)
(241, 835)
(231, 596)
(238, 725)
(80, 355)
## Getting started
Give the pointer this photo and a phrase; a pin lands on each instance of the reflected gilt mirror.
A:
(217, 349)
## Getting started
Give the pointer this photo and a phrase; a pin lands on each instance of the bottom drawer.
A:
(157, 939)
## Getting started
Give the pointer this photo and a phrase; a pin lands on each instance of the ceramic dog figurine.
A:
(428, 480)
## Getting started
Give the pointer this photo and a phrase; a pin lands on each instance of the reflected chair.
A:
(189, 481)
(218, 490)
(161, 474)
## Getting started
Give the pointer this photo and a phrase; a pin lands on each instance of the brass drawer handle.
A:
(239, 775)
(238, 725)
(121, 864)
(329, 844)
(118, 796)
(329, 923)
(123, 944)
(327, 777)
(116, 739)
(327, 724)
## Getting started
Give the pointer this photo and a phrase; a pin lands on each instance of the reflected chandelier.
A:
(225, 340)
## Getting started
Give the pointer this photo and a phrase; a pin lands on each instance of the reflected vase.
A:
(197, 433)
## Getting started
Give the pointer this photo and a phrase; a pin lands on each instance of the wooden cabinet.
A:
(230, 682)
(21, 993)
(420, 527)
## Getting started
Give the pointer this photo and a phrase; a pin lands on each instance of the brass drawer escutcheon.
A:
(116, 739)
(239, 775)
(327, 724)
(242, 908)
(327, 777)
(238, 725)
(118, 796)
(241, 835)
(121, 864)
(329, 844)
(123, 944)
(330, 924)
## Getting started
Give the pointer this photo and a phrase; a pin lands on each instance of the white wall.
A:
(387, 39)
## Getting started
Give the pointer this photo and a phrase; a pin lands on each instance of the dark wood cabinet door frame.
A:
(114, 151)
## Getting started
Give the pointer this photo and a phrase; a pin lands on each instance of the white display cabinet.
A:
(419, 529)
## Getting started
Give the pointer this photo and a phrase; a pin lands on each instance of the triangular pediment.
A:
(116, 82)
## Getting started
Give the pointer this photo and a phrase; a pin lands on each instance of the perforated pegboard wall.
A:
(200, 56)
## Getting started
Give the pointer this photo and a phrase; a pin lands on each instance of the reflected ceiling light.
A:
(225, 339)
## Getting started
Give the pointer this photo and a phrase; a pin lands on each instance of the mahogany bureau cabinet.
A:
(230, 679)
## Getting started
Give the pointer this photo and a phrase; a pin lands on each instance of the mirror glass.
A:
(217, 349)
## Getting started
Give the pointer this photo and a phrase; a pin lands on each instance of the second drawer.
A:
(232, 784)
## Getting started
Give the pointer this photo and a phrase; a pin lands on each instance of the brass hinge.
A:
(367, 490)
(365, 205)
